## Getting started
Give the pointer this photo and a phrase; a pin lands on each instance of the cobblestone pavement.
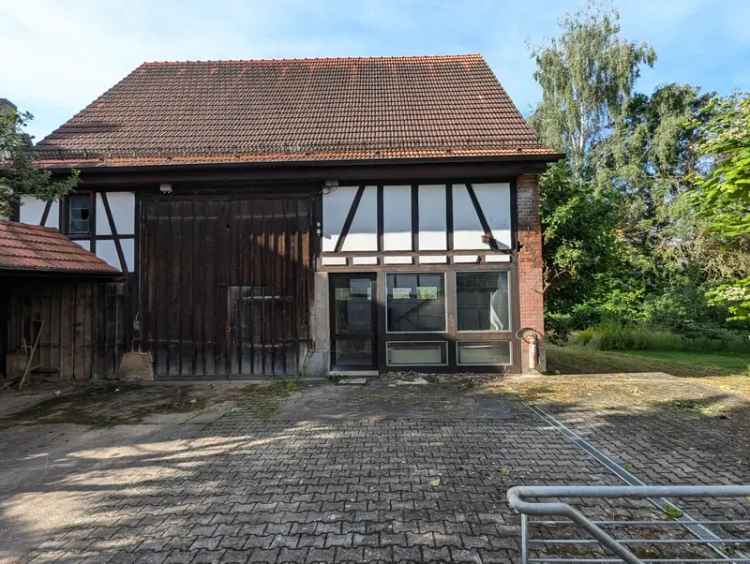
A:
(341, 474)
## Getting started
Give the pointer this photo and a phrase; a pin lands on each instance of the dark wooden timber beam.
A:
(130, 177)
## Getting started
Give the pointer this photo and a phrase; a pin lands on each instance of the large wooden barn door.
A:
(225, 284)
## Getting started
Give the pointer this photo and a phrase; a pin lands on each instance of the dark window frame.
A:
(445, 299)
(458, 344)
(68, 219)
(509, 280)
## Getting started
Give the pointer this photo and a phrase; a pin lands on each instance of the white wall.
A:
(363, 232)
(493, 198)
(32, 210)
(433, 234)
(336, 204)
(397, 218)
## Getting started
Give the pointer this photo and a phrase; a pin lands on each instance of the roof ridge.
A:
(453, 56)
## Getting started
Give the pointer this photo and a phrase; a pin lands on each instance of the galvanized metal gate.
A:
(225, 283)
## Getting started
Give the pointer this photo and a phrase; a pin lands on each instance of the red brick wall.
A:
(530, 281)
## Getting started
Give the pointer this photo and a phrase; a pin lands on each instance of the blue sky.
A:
(58, 56)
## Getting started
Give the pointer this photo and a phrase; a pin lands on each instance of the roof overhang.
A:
(310, 171)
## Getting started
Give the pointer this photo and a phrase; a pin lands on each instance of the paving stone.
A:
(232, 556)
(353, 488)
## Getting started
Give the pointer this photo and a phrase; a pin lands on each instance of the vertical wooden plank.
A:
(209, 287)
(175, 304)
(199, 280)
(187, 368)
(251, 309)
(62, 322)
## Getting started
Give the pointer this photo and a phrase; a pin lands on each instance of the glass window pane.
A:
(79, 210)
(482, 301)
(416, 303)
(353, 306)
(353, 352)
(413, 354)
(497, 352)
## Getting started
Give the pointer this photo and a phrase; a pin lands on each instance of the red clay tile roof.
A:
(257, 111)
(30, 248)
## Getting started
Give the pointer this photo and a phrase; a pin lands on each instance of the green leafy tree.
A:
(19, 176)
(587, 77)
(650, 159)
(724, 198)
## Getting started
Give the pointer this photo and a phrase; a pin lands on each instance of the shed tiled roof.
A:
(30, 248)
(337, 109)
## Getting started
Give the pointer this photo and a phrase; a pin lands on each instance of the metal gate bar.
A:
(517, 498)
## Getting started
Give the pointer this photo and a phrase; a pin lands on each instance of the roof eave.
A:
(47, 273)
(105, 166)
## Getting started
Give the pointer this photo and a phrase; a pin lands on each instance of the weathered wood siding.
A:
(84, 325)
(225, 283)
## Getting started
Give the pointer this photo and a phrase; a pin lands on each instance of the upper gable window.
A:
(79, 214)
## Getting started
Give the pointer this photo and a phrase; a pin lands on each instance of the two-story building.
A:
(310, 215)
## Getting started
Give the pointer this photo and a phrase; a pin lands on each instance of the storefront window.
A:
(483, 301)
(416, 303)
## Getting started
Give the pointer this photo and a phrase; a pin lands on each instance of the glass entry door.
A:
(353, 322)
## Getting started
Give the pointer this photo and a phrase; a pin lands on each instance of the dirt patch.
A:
(115, 403)
(623, 392)
(264, 401)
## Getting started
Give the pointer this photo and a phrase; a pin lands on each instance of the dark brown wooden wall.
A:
(225, 283)
(85, 325)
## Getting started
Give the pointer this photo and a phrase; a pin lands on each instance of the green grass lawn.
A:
(581, 360)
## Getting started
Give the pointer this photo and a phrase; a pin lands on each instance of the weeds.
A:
(617, 337)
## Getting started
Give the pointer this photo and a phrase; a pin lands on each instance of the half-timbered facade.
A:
(310, 216)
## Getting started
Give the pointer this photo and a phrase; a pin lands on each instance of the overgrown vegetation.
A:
(646, 220)
(18, 175)
(264, 400)
(105, 404)
(575, 359)
(616, 337)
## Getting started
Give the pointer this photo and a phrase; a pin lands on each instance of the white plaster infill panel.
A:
(102, 222)
(128, 250)
(497, 258)
(32, 210)
(466, 259)
(467, 229)
(122, 205)
(494, 200)
(397, 260)
(364, 260)
(336, 205)
(53, 218)
(106, 250)
(363, 232)
(433, 226)
(433, 259)
(334, 261)
(397, 218)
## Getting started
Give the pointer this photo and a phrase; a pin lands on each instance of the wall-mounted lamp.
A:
(165, 188)
(331, 183)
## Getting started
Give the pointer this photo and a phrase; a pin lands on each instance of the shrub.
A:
(618, 337)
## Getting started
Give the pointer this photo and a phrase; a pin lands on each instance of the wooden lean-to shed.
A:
(60, 301)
